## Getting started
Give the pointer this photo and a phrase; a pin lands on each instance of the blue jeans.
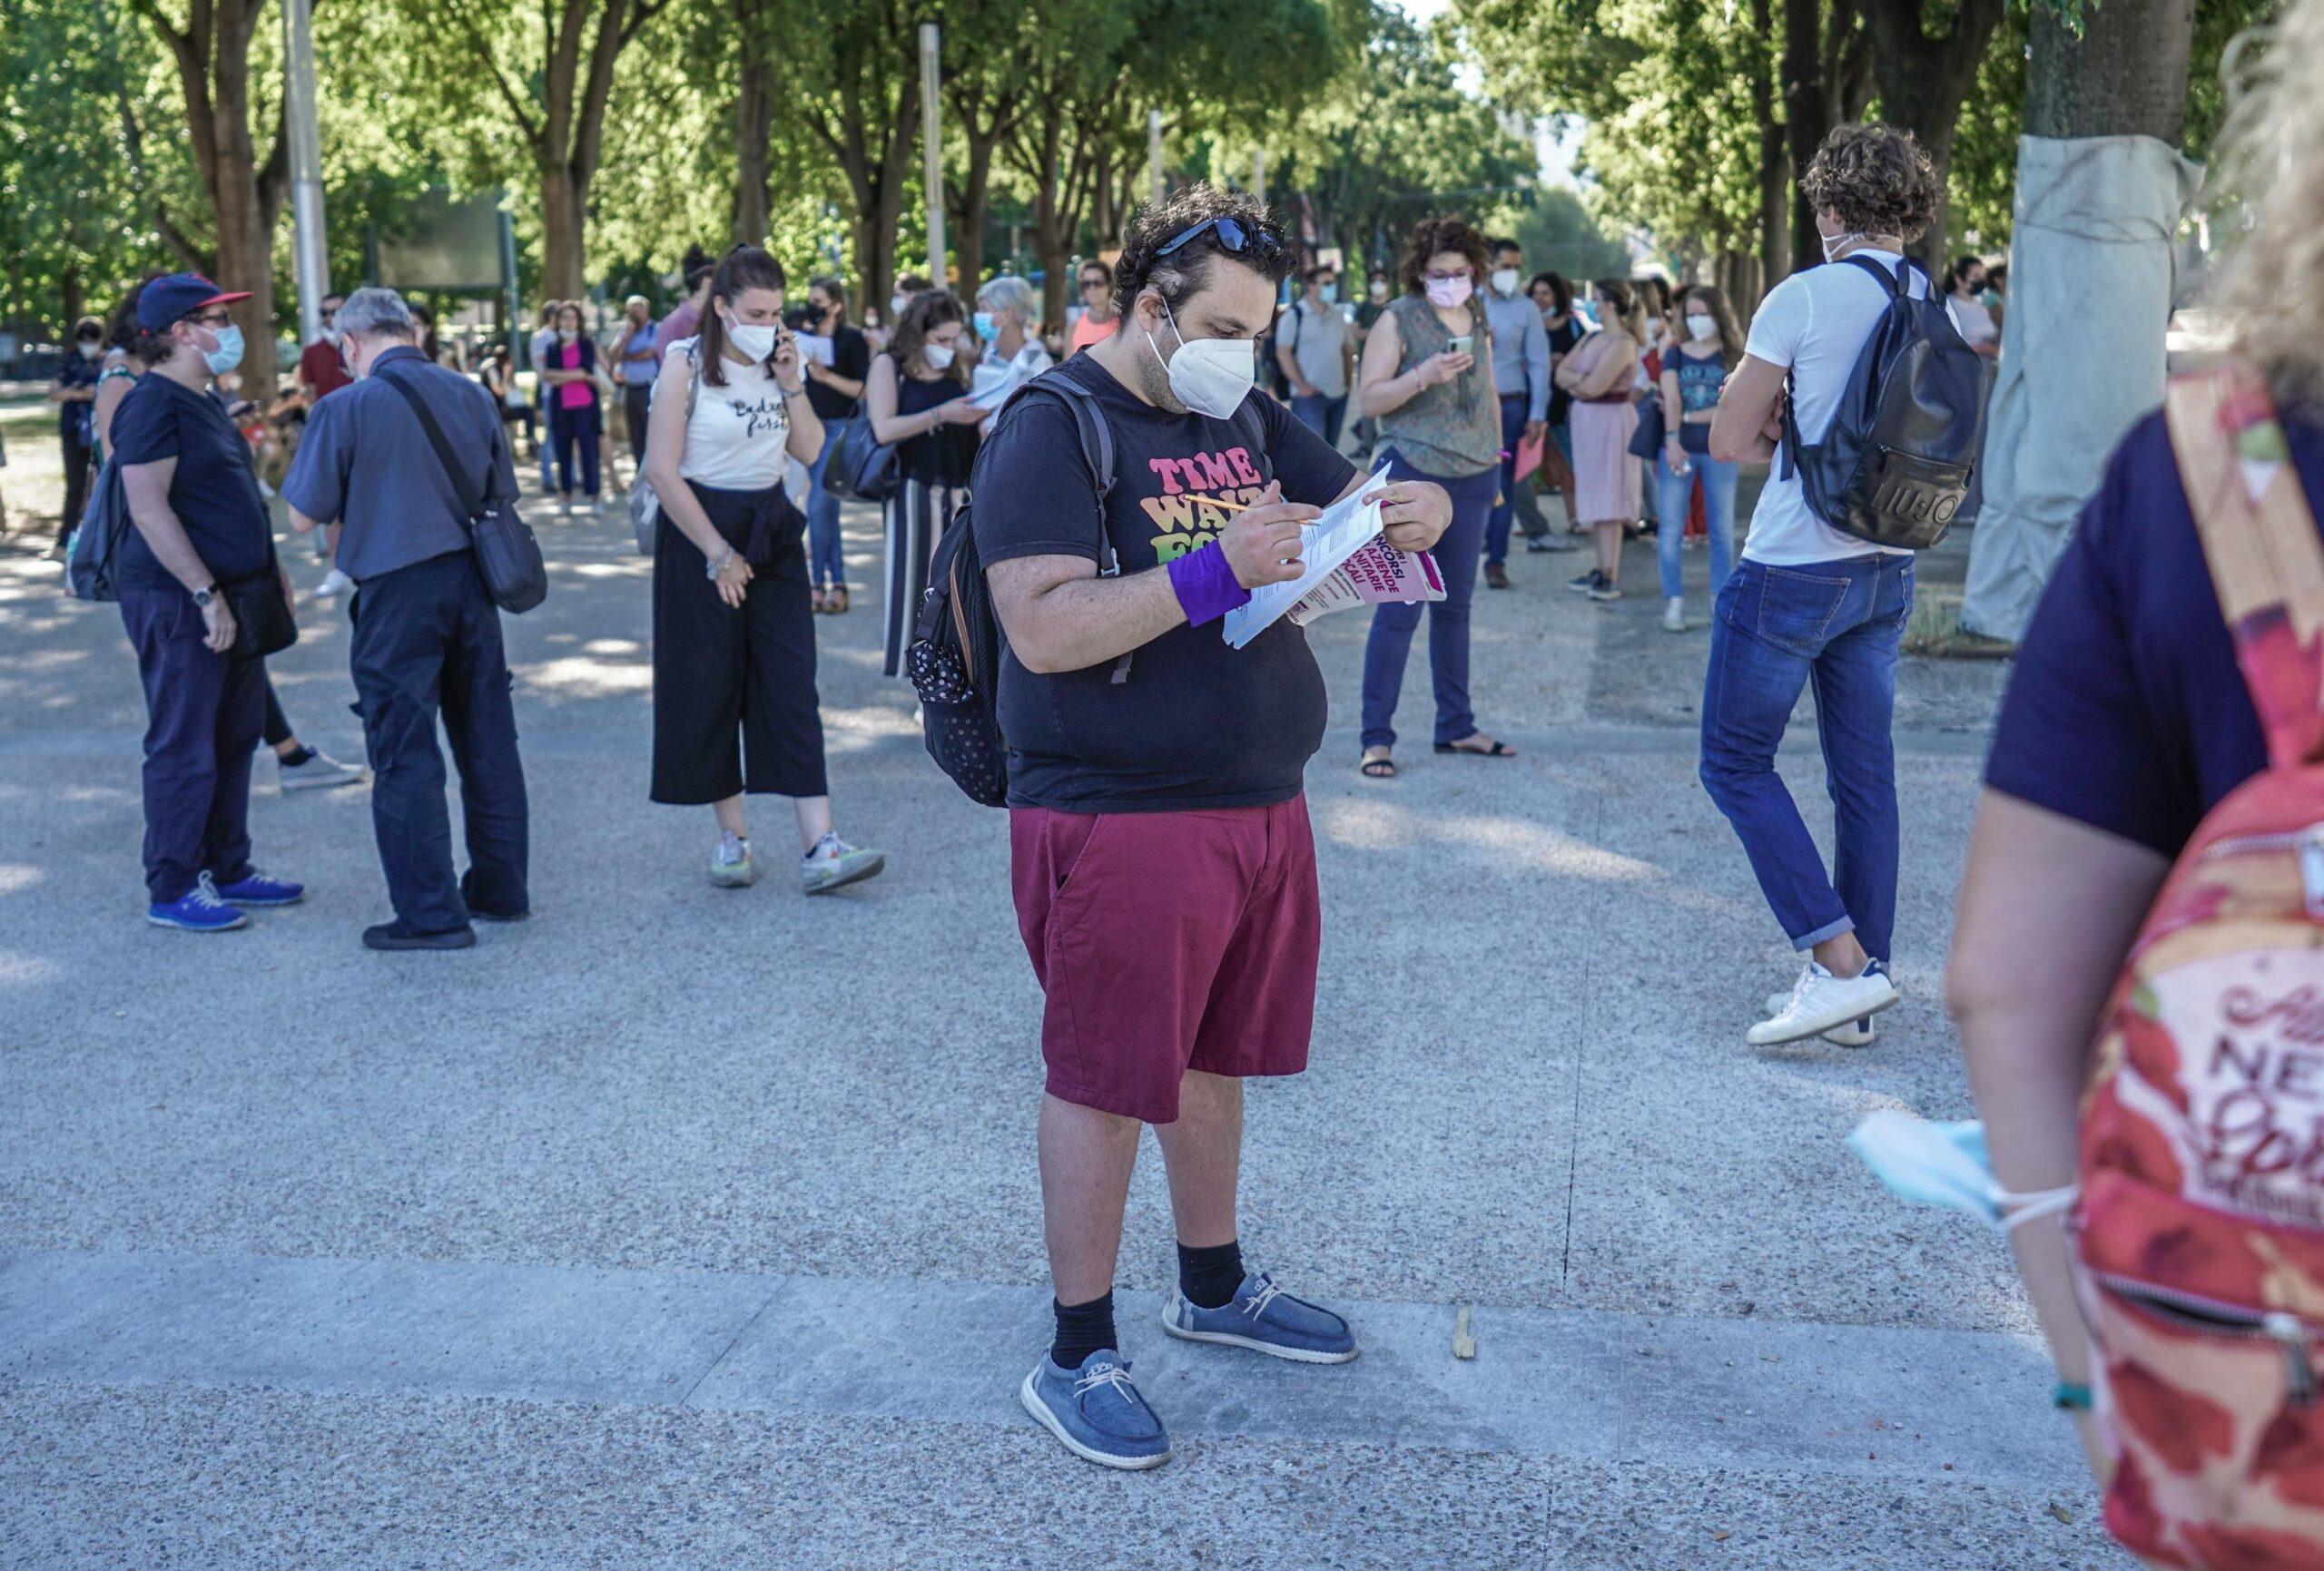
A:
(1321, 414)
(1719, 513)
(1448, 619)
(1513, 431)
(1774, 630)
(827, 563)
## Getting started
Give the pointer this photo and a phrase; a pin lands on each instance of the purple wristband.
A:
(1206, 584)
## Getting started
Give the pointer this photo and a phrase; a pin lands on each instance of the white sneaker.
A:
(319, 772)
(334, 584)
(1674, 615)
(1820, 1001)
(1856, 1033)
(833, 864)
(731, 867)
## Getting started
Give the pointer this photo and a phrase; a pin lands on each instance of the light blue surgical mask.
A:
(228, 352)
(1946, 1164)
(1328, 294)
(985, 329)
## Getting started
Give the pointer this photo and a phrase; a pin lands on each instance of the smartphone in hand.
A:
(1461, 345)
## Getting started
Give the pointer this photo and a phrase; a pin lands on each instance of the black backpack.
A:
(954, 660)
(1894, 467)
(93, 559)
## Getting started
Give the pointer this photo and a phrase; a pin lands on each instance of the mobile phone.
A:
(1461, 345)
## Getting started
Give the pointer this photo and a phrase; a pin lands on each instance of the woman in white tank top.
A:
(734, 705)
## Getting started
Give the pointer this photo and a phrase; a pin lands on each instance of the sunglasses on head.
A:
(1234, 236)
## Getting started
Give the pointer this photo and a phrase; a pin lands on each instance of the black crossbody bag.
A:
(263, 622)
(505, 552)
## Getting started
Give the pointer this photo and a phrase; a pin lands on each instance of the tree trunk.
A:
(753, 129)
(562, 267)
(2099, 195)
(1775, 164)
(1923, 80)
(973, 210)
(1807, 117)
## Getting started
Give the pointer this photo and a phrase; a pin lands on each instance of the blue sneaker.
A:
(257, 888)
(198, 911)
(1096, 1411)
(1264, 1318)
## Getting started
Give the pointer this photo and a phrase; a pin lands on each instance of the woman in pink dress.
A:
(1602, 375)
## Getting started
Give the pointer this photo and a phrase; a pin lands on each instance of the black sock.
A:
(295, 757)
(1208, 1277)
(1081, 1329)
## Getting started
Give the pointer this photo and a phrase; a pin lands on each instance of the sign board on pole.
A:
(445, 243)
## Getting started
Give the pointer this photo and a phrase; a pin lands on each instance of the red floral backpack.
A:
(2200, 1228)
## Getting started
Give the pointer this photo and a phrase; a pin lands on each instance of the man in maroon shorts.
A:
(1164, 869)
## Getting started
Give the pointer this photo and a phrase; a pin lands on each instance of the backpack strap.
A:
(1098, 451)
(2259, 540)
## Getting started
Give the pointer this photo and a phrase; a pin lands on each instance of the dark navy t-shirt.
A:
(1196, 724)
(213, 491)
(2127, 710)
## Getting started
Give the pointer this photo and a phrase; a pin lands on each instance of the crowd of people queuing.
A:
(1156, 772)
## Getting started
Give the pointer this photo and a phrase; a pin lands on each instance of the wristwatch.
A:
(202, 597)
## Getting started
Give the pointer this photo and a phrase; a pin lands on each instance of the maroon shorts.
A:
(1168, 942)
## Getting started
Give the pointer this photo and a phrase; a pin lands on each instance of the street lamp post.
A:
(310, 258)
(932, 147)
(1154, 156)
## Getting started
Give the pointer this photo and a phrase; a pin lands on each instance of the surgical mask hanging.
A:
(228, 352)
(1504, 281)
(1449, 294)
(1209, 376)
(938, 356)
(1834, 244)
(754, 340)
(1946, 1164)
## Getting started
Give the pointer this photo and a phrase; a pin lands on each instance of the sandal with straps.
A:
(1381, 768)
(1498, 750)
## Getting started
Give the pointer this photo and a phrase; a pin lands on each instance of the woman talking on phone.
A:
(734, 705)
(1427, 378)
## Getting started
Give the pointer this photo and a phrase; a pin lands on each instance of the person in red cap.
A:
(201, 531)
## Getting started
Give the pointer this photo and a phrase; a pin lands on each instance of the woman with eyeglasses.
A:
(1427, 378)
(918, 400)
(1096, 321)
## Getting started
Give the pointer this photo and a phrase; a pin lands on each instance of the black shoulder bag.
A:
(505, 552)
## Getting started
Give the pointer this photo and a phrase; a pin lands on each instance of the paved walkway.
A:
(689, 1228)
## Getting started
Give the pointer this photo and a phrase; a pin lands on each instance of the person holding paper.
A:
(1164, 869)
(1428, 378)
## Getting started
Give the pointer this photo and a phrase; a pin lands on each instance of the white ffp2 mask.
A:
(1209, 376)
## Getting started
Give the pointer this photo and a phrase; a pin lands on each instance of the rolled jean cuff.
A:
(1206, 584)
(1824, 934)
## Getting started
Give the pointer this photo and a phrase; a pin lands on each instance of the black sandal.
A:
(1381, 768)
(1498, 750)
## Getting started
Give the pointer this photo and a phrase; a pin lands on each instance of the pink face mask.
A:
(1449, 293)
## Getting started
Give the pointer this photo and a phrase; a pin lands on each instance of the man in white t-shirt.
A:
(1807, 603)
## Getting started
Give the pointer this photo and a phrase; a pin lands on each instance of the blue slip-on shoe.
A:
(1264, 1318)
(257, 888)
(1096, 1411)
(198, 911)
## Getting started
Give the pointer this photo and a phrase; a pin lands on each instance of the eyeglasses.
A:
(1234, 239)
(1435, 276)
(213, 319)
(1093, 282)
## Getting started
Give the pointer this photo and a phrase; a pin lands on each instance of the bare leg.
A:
(1843, 956)
(1087, 1157)
(815, 819)
(729, 813)
(1203, 1152)
(1609, 549)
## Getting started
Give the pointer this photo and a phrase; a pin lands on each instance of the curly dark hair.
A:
(1443, 235)
(1188, 269)
(1876, 178)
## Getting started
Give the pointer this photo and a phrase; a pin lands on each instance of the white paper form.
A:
(814, 346)
(1343, 530)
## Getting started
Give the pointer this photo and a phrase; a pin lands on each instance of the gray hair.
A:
(380, 312)
(1013, 295)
